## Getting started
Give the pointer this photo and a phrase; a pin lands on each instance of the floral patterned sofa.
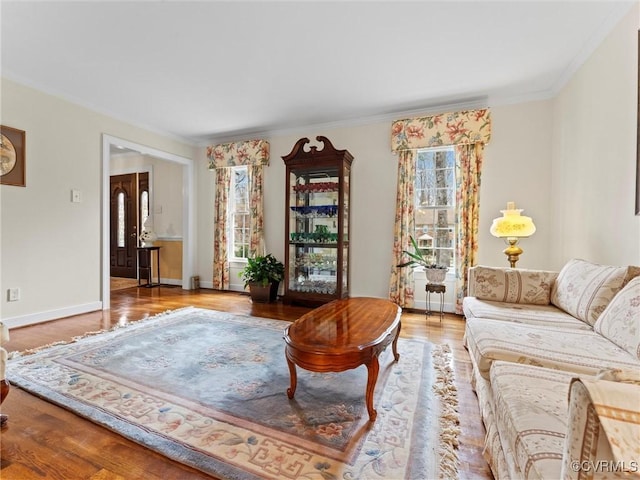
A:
(556, 368)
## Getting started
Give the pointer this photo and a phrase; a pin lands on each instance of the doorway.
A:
(129, 205)
(109, 143)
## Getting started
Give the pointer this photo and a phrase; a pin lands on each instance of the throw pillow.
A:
(584, 289)
(620, 321)
(513, 286)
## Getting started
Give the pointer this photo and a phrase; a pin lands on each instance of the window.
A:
(121, 220)
(239, 214)
(435, 203)
(144, 207)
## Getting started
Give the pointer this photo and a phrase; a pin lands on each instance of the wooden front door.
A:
(124, 225)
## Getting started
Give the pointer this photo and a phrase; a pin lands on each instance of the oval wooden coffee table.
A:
(341, 335)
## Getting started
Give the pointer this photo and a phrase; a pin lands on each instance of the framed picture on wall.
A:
(12, 159)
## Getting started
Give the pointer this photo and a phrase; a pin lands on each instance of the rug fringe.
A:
(447, 392)
(31, 351)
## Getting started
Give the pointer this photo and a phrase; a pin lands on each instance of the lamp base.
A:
(513, 251)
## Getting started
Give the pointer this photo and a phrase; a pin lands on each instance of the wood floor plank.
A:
(43, 441)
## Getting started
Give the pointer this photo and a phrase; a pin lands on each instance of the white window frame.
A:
(231, 213)
(419, 230)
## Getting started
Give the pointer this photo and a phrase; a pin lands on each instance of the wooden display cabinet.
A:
(317, 223)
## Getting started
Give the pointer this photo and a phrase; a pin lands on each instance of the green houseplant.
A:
(263, 275)
(435, 273)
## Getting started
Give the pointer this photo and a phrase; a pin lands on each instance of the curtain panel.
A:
(220, 256)
(237, 154)
(401, 280)
(256, 207)
(469, 160)
(453, 128)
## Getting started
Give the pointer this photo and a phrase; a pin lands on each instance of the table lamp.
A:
(512, 226)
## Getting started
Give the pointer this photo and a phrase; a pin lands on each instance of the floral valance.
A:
(453, 128)
(251, 152)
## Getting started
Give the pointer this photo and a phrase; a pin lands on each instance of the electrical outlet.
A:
(76, 196)
(13, 294)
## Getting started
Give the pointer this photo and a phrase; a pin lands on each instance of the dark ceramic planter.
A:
(261, 294)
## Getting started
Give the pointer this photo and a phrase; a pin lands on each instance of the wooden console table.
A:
(145, 265)
(342, 335)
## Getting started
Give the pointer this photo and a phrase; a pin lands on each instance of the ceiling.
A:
(211, 71)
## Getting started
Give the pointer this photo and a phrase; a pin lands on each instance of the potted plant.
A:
(263, 275)
(435, 273)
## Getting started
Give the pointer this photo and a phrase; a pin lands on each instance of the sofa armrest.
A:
(603, 430)
(510, 285)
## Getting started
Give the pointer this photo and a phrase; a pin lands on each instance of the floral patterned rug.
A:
(208, 389)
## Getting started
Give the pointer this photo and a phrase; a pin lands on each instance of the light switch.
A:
(76, 196)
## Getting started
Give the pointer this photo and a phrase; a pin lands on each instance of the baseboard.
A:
(33, 318)
(232, 287)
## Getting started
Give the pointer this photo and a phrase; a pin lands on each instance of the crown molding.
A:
(8, 75)
(590, 46)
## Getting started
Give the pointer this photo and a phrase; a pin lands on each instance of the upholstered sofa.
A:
(556, 368)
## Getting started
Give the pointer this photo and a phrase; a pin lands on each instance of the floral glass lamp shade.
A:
(512, 226)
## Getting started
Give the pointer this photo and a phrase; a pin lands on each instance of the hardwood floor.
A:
(43, 441)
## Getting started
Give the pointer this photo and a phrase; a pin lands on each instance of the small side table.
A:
(145, 265)
(439, 288)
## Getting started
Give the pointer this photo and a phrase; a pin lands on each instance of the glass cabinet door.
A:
(313, 232)
(346, 175)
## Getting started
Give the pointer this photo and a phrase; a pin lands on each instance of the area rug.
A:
(208, 389)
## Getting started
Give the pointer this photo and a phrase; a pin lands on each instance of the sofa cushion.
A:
(619, 375)
(620, 321)
(513, 285)
(584, 289)
(531, 417)
(545, 315)
(568, 349)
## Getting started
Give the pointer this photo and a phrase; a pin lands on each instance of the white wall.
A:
(594, 154)
(373, 193)
(50, 248)
(517, 168)
(167, 199)
(166, 190)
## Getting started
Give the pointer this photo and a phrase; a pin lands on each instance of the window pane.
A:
(239, 214)
(435, 204)
(144, 207)
(241, 185)
(121, 220)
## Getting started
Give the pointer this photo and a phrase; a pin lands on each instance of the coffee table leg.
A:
(373, 367)
(294, 378)
(394, 346)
